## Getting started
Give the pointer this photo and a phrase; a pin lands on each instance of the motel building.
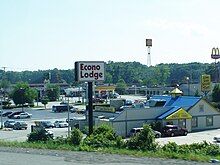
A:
(193, 113)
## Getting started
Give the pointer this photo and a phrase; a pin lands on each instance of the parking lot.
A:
(38, 114)
(41, 114)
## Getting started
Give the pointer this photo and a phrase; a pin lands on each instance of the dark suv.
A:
(173, 130)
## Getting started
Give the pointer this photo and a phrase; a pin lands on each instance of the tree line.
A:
(132, 73)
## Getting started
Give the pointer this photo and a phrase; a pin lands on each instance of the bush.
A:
(144, 141)
(60, 140)
(102, 136)
(205, 147)
(156, 126)
(170, 147)
(39, 135)
(75, 137)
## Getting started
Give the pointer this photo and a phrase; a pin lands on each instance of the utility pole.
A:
(3, 92)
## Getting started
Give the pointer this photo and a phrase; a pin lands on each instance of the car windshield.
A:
(48, 122)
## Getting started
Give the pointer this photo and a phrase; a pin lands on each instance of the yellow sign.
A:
(105, 88)
(180, 114)
(104, 109)
(206, 83)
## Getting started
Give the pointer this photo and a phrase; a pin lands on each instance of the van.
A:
(135, 131)
(60, 108)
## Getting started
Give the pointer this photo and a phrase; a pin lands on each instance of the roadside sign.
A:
(89, 71)
(206, 83)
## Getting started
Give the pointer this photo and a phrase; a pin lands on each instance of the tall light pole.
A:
(187, 78)
(22, 98)
(68, 117)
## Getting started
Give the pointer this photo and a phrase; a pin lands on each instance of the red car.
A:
(173, 130)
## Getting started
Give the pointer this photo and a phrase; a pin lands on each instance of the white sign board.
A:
(89, 71)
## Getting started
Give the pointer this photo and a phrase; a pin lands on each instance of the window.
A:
(209, 121)
(194, 122)
(201, 108)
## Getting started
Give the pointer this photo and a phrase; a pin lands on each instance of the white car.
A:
(217, 138)
(23, 115)
(60, 124)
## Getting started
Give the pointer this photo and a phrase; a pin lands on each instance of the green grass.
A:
(137, 153)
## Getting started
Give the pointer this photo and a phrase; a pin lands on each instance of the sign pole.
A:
(90, 109)
(90, 71)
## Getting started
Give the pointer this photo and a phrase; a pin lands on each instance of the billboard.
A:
(206, 83)
(89, 71)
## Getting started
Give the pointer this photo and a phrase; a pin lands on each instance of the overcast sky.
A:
(48, 34)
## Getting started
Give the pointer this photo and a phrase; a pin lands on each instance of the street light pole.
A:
(22, 90)
(68, 117)
(187, 78)
(68, 107)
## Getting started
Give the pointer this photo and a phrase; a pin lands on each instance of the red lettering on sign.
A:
(89, 67)
(92, 74)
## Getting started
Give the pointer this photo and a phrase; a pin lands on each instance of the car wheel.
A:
(18, 117)
(157, 136)
(59, 126)
(172, 134)
(185, 133)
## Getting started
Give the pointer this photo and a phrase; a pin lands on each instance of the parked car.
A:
(217, 138)
(4, 114)
(60, 124)
(11, 116)
(136, 132)
(128, 102)
(81, 111)
(64, 103)
(61, 108)
(174, 130)
(50, 133)
(20, 125)
(47, 124)
(157, 134)
(74, 110)
(69, 119)
(23, 115)
(9, 123)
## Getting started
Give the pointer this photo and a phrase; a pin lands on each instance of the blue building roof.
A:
(180, 101)
(176, 103)
(169, 112)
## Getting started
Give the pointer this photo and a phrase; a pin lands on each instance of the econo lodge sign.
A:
(90, 71)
